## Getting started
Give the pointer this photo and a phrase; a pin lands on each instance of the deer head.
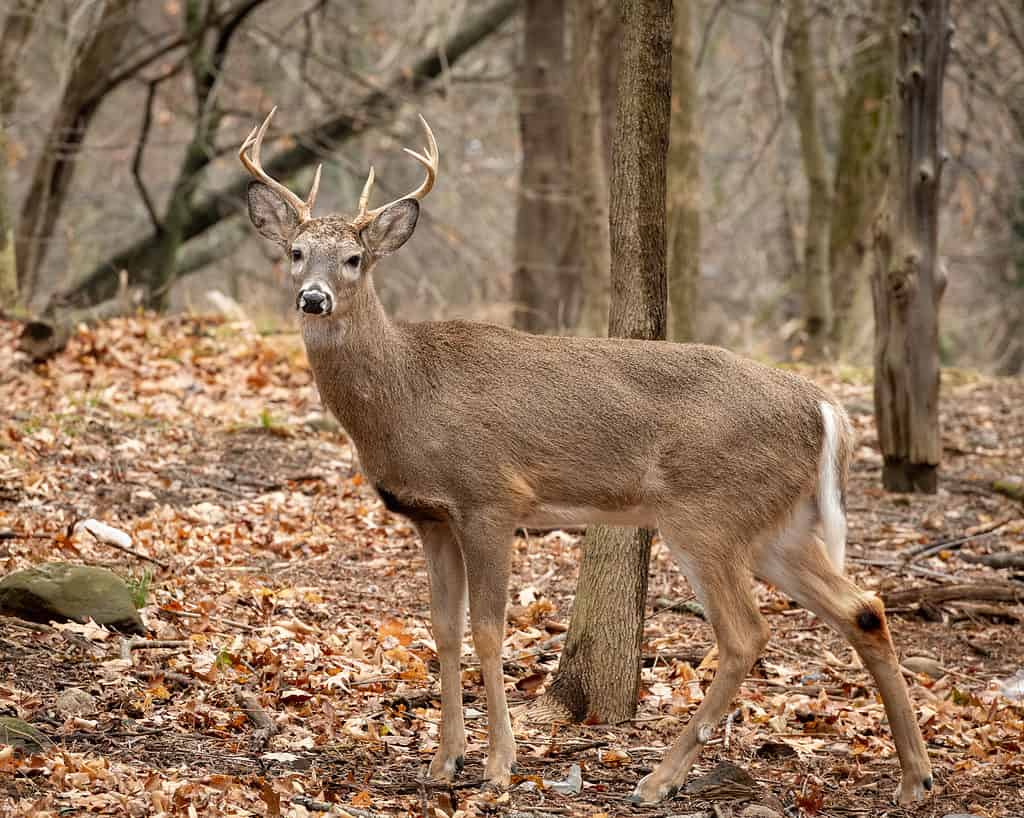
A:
(331, 257)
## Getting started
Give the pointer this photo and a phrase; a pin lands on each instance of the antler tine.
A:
(249, 154)
(429, 159)
(364, 197)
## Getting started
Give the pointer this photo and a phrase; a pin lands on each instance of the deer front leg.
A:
(487, 552)
(447, 619)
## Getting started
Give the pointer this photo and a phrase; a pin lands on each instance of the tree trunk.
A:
(591, 20)
(17, 28)
(599, 672)
(859, 185)
(376, 107)
(55, 167)
(684, 191)
(545, 289)
(817, 308)
(909, 279)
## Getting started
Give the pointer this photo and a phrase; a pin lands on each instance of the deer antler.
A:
(252, 164)
(429, 159)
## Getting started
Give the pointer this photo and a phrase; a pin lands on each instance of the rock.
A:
(758, 811)
(75, 702)
(22, 735)
(1012, 487)
(63, 592)
(925, 665)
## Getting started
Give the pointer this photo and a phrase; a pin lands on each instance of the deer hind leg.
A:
(487, 552)
(803, 571)
(447, 618)
(724, 589)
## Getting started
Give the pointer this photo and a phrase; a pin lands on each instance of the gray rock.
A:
(75, 702)
(759, 811)
(63, 592)
(22, 735)
(925, 665)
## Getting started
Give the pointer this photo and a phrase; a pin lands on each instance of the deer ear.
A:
(271, 215)
(392, 227)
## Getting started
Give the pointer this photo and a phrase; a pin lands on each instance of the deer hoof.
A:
(446, 767)
(498, 773)
(914, 789)
(649, 791)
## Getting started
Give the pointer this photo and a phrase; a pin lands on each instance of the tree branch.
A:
(375, 107)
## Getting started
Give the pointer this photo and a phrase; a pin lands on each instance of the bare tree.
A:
(17, 28)
(599, 671)
(909, 279)
(591, 22)
(545, 287)
(859, 181)
(94, 49)
(817, 308)
(684, 185)
(376, 107)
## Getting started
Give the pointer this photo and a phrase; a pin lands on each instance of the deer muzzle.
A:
(314, 301)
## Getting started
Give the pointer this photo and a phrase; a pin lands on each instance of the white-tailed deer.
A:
(471, 430)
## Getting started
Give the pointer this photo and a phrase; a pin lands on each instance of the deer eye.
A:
(352, 261)
(296, 254)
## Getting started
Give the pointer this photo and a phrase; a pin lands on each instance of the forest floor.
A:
(288, 580)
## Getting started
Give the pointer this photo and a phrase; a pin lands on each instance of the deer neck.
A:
(358, 362)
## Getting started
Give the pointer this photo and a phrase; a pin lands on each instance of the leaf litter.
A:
(282, 582)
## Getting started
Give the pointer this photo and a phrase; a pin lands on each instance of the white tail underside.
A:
(830, 506)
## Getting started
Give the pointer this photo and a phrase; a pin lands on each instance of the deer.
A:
(472, 430)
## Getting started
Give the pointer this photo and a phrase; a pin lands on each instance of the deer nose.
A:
(314, 302)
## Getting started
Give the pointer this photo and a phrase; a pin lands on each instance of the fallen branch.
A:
(926, 550)
(128, 645)
(977, 592)
(265, 727)
(24, 624)
(1004, 559)
(44, 337)
(165, 675)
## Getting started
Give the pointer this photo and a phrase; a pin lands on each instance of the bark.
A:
(815, 296)
(859, 184)
(375, 109)
(546, 290)
(592, 20)
(908, 280)
(206, 64)
(55, 167)
(18, 25)
(599, 672)
(684, 190)
(8, 267)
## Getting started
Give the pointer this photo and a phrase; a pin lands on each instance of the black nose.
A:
(314, 302)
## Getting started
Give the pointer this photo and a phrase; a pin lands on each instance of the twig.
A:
(147, 120)
(313, 804)
(168, 675)
(25, 624)
(190, 615)
(979, 592)
(1004, 559)
(124, 548)
(926, 550)
(265, 727)
(128, 645)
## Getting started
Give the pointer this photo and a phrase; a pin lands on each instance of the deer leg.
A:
(447, 619)
(487, 552)
(804, 572)
(723, 587)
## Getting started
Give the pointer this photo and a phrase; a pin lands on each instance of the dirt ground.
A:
(289, 582)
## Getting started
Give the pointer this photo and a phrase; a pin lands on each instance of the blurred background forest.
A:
(120, 121)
